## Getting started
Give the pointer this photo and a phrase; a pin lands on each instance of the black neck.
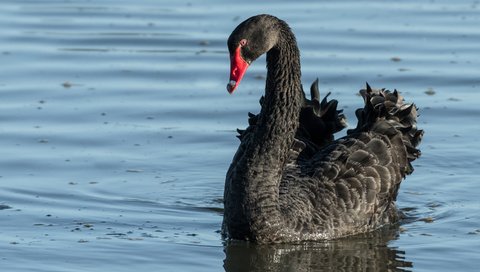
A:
(266, 155)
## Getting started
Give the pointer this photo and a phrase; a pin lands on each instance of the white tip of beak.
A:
(231, 86)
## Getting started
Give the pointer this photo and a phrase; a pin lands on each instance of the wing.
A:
(319, 121)
(351, 185)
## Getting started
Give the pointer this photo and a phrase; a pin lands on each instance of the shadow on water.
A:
(366, 252)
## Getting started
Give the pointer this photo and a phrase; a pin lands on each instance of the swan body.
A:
(289, 179)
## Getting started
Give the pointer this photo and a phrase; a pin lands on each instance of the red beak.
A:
(238, 66)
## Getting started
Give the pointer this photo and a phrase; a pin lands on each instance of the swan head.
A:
(250, 39)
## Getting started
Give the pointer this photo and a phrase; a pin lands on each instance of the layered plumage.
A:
(290, 180)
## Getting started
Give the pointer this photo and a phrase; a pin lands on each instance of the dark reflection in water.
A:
(366, 252)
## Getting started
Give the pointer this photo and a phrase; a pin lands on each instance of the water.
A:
(116, 131)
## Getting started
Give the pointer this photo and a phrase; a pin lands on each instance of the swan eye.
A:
(243, 42)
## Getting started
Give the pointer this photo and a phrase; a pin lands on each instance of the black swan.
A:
(289, 179)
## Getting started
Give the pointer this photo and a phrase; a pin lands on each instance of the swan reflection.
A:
(365, 252)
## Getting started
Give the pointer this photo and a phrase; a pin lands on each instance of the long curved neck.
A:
(279, 116)
(266, 155)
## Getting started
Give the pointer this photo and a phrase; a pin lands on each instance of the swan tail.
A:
(320, 120)
(386, 113)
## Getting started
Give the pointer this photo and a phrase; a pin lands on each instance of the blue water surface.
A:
(116, 131)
